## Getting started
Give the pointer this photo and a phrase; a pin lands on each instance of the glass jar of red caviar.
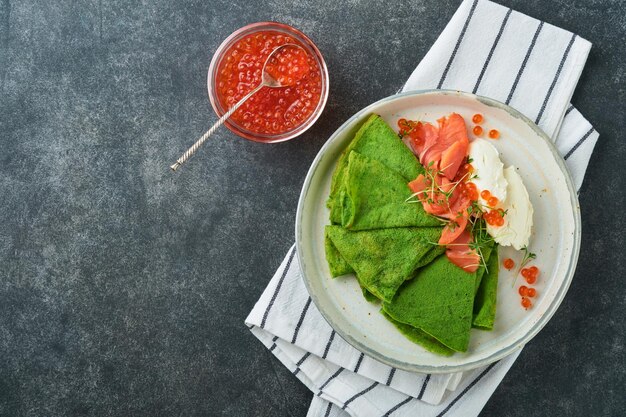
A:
(272, 114)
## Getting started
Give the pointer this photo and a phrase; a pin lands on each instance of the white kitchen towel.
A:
(490, 50)
(290, 325)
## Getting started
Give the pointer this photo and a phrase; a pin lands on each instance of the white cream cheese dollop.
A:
(488, 169)
(518, 220)
(507, 186)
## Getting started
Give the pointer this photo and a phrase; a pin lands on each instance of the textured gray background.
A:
(123, 288)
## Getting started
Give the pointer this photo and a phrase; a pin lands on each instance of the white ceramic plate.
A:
(555, 238)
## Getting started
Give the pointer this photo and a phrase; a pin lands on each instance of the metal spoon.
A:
(266, 81)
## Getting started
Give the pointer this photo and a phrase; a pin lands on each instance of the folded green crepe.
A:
(426, 259)
(438, 301)
(431, 255)
(485, 253)
(421, 338)
(337, 264)
(485, 301)
(376, 140)
(375, 197)
(384, 258)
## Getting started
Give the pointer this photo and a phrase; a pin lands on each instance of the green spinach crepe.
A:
(486, 296)
(337, 264)
(420, 337)
(438, 301)
(375, 197)
(485, 254)
(375, 140)
(383, 258)
(426, 259)
(484, 302)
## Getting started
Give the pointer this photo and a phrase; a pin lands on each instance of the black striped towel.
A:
(492, 51)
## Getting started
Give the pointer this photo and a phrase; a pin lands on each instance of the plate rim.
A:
(559, 296)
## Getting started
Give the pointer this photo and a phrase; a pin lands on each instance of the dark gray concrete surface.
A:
(123, 288)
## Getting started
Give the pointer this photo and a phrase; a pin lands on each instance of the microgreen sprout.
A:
(528, 256)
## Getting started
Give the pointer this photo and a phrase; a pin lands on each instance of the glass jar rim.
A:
(307, 43)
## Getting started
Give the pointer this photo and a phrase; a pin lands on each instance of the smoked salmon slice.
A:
(442, 150)
(452, 158)
(422, 137)
(453, 229)
(460, 253)
(452, 129)
(419, 184)
(468, 261)
(432, 196)
(453, 141)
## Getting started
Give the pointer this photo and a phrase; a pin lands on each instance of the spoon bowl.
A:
(280, 70)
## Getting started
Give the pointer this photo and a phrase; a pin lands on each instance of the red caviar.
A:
(526, 303)
(485, 194)
(270, 110)
(523, 291)
(492, 201)
(469, 190)
(532, 292)
(477, 130)
(288, 65)
(494, 134)
(464, 171)
(477, 118)
(530, 274)
(508, 263)
(494, 217)
(406, 126)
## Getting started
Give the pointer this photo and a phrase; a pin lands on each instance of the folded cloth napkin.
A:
(490, 50)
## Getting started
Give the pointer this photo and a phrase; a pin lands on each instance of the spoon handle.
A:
(212, 130)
